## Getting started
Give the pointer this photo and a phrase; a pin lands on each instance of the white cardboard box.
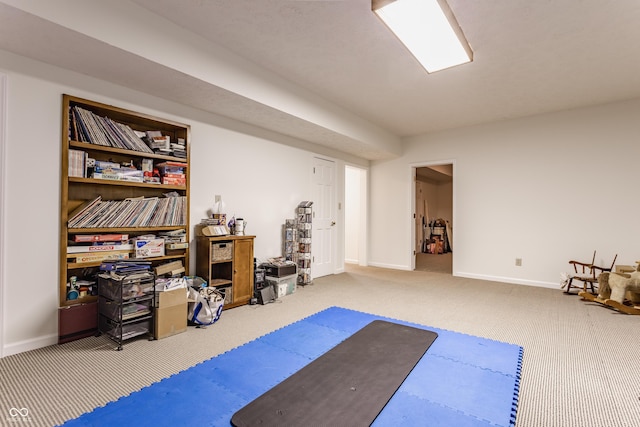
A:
(146, 248)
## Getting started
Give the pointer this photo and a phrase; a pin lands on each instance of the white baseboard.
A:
(508, 280)
(391, 266)
(32, 344)
(356, 262)
(512, 280)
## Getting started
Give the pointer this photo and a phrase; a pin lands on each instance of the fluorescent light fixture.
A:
(428, 29)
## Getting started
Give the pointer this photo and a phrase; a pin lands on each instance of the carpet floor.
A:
(579, 366)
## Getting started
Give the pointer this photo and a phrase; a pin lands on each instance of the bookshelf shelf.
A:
(93, 147)
(122, 229)
(112, 135)
(94, 181)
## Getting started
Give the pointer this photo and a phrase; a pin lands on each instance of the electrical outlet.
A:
(518, 262)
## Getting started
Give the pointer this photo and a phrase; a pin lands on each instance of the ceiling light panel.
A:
(428, 29)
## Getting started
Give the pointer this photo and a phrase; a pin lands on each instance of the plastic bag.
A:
(207, 306)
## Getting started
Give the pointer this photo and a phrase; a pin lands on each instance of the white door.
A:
(324, 215)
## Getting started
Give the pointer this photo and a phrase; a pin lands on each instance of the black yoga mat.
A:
(348, 385)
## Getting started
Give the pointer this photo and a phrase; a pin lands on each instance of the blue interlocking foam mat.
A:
(461, 381)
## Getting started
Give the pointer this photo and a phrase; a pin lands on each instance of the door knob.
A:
(333, 223)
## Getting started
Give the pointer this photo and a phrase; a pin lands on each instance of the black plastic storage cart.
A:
(125, 305)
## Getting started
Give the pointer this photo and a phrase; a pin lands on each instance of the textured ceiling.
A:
(530, 57)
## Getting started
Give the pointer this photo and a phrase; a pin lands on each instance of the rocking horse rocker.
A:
(620, 291)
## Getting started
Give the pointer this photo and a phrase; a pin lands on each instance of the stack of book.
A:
(172, 173)
(216, 219)
(175, 239)
(159, 143)
(134, 212)
(77, 163)
(179, 149)
(86, 126)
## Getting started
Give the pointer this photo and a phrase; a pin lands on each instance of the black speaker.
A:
(266, 295)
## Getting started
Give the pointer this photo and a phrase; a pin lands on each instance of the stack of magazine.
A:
(134, 212)
(86, 126)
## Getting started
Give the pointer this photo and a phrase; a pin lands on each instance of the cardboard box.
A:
(170, 298)
(170, 313)
(174, 181)
(149, 248)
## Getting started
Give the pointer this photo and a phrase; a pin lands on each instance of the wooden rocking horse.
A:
(620, 291)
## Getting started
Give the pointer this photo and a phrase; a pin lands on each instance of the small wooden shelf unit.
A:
(231, 272)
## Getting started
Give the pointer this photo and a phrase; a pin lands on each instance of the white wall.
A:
(546, 189)
(260, 175)
(259, 181)
(32, 195)
(352, 213)
(444, 194)
(356, 190)
(3, 113)
(439, 197)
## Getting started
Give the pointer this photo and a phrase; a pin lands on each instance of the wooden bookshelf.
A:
(78, 190)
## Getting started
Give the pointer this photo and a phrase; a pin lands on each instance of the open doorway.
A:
(355, 215)
(433, 243)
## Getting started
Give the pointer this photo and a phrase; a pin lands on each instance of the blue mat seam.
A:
(416, 325)
(477, 366)
(458, 411)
